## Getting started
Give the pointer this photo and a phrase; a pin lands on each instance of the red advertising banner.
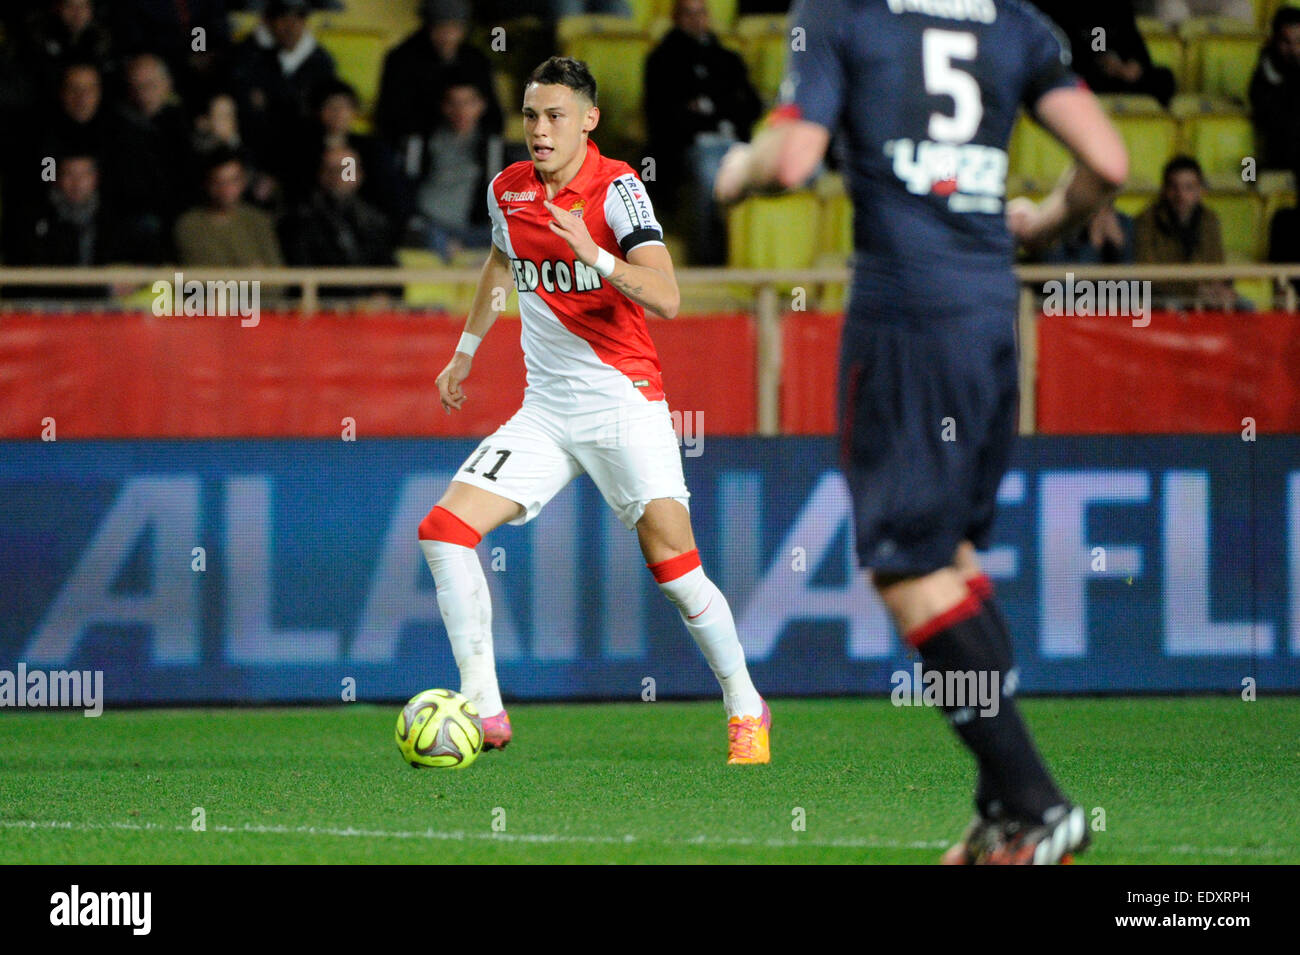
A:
(1183, 373)
(137, 375)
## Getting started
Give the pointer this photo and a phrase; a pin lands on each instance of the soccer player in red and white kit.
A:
(576, 234)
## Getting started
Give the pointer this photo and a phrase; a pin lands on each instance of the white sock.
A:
(466, 608)
(707, 616)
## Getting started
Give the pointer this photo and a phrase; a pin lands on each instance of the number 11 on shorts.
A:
(490, 475)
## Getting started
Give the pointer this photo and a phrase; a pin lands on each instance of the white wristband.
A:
(605, 263)
(468, 343)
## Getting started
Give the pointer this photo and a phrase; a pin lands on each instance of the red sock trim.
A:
(442, 525)
(968, 608)
(675, 567)
(980, 586)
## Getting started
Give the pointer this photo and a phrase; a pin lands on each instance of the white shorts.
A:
(631, 453)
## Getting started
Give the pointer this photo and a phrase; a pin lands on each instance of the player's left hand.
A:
(1022, 220)
(573, 230)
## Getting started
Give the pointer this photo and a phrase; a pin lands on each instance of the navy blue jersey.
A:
(926, 94)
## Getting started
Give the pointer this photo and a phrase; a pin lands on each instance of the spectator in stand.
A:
(748, 7)
(64, 33)
(336, 114)
(1109, 52)
(80, 123)
(279, 70)
(421, 67)
(1275, 94)
(161, 132)
(336, 227)
(1105, 239)
(192, 37)
(1284, 240)
(226, 231)
(1177, 229)
(73, 225)
(216, 127)
(698, 102)
(456, 163)
(1177, 12)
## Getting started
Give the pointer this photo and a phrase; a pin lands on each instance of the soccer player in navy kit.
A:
(926, 94)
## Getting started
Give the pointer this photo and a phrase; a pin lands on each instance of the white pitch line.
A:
(578, 839)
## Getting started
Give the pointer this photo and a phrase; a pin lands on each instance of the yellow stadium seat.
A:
(1130, 104)
(836, 226)
(394, 18)
(724, 13)
(1240, 217)
(1036, 159)
(644, 11)
(1151, 141)
(1152, 26)
(1219, 143)
(618, 62)
(777, 232)
(1259, 292)
(1133, 204)
(1186, 105)
(1222, 65)
(1194, 28)
(1274, 181)
(764, 43)
(453, 296)
(1167, 50)
(359, 57)
(1274, 204)
(573, 28)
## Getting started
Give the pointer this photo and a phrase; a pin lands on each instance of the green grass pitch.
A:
(1202, 779)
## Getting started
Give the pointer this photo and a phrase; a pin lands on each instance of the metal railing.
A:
(766, 302)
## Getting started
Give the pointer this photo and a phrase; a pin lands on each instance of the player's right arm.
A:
(1075, 117)
(496, 275)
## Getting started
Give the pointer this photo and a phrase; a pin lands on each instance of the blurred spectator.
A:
(421, 67)
(80, 123)
(161, 137)
(1105, 239)
(71, 226)
(1284, 240)
(64, 33)
(278, 71)
(698, 102)
(748, 7)
(192, 37)
(74, 226)
(337, 227)
(1177, 12)
(1177, 228)
(226, 231)
(1275, 94)
(216, 128)
(455, 165)
(1109, 52)
(336, 113)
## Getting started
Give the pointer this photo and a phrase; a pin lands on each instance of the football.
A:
(439, 728)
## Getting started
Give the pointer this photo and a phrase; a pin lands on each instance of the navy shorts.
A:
(927, 419)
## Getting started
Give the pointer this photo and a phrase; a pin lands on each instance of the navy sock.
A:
(969, 640)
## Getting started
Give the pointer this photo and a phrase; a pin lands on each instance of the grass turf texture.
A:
(1180, 780)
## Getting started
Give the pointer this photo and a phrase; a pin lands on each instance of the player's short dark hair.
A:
(1285, 17)
(1181, 163)
(566, 71)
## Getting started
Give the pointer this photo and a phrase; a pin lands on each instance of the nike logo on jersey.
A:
(513, 209)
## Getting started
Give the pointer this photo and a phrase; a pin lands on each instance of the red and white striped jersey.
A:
(585, 343)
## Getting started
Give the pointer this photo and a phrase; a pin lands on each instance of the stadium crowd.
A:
(151, 132)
